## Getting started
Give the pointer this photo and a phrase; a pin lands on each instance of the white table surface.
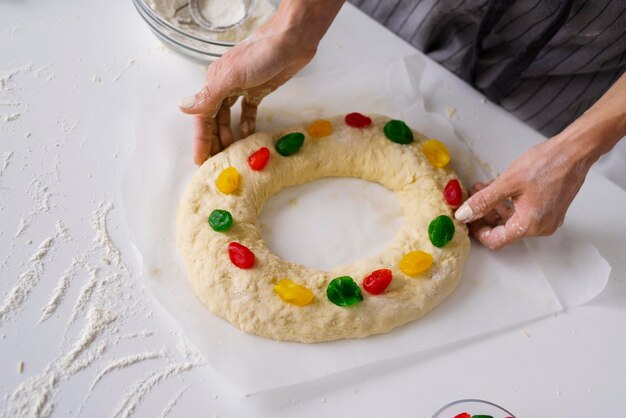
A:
(86, 66)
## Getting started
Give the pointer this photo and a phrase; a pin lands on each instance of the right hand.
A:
(252, 69)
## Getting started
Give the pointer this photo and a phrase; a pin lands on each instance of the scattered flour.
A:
(451, 112)
(85, 294)
(99, 320)
(12, 117)
(40, 194)
(102, 239)
(136, 393)
(102, 306)
(61, 288)
(127, 362)
(26, 281)
(130, 63)
(168, 408)
(141, 334)
(8, 96)
(6, 160)
(7, 74)
(62, 232)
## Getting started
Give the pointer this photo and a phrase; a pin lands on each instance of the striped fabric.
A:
(577, 59)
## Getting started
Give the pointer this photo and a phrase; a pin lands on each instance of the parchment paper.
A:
(497, 290)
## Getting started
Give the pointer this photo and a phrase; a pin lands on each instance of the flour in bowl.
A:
(223, 13)
(218, 12)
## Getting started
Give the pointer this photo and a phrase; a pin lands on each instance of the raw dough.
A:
(246, 298)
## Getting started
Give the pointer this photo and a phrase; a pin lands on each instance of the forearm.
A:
(597, 131)
(306, 21)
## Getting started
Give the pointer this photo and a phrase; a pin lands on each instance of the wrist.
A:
(593, 134)
(305, 22)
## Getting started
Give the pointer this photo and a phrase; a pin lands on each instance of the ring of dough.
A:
(246, 298)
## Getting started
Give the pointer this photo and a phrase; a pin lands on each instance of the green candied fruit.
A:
(441, 231)
(220, 220)
(343, 291)
(482, 416)
(290, 144)
(397, 131)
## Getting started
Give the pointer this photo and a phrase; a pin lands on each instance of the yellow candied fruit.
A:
(436, 152)
(228, 180)
(415, 262)
(320, 128)
(293, 293)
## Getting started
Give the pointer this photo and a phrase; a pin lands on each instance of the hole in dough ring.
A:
(246, 298)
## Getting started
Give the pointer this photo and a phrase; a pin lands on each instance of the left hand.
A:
(529, 198)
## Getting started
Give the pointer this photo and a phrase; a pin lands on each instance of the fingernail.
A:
(187, 102)
(464, 213)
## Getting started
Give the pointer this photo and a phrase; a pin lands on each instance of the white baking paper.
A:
(498, 290)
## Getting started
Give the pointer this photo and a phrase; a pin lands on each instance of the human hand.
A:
(530, 198)
(533, 194)
(253, 69)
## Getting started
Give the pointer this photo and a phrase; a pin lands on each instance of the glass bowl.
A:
(472, 408)
(194, 44)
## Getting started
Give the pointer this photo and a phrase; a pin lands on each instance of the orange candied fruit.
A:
(320, 128)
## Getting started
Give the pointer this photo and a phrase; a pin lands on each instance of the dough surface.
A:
(246, 298)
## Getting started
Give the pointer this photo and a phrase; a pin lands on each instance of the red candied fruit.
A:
(453, 193)
(357, 120)
(463, 415)
(377, 281)
(258, 159)
(240, 255)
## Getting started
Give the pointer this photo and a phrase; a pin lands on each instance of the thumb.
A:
(206, 102)
(483, 201)
(218, 86)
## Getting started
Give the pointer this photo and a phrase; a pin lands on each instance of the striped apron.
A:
(544, 61)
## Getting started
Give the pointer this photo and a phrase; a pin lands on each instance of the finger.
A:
(249, 108)
(224, 130)
(476, 188)
(216, 147)
(504, 209)
(206, 142)
(492, 217)
(220, 83)
(484, 200)
(495, 238)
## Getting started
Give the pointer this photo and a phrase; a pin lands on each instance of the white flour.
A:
(62, 231)
(135, 394)
(127, 362)
(101, 309)
(85, 294)
(61, 288)
(71, 279)
(103, 240)
(168, 408)
(223, 12)
(176, 12)
(26, 281)
(12, 117)
(6, 160)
